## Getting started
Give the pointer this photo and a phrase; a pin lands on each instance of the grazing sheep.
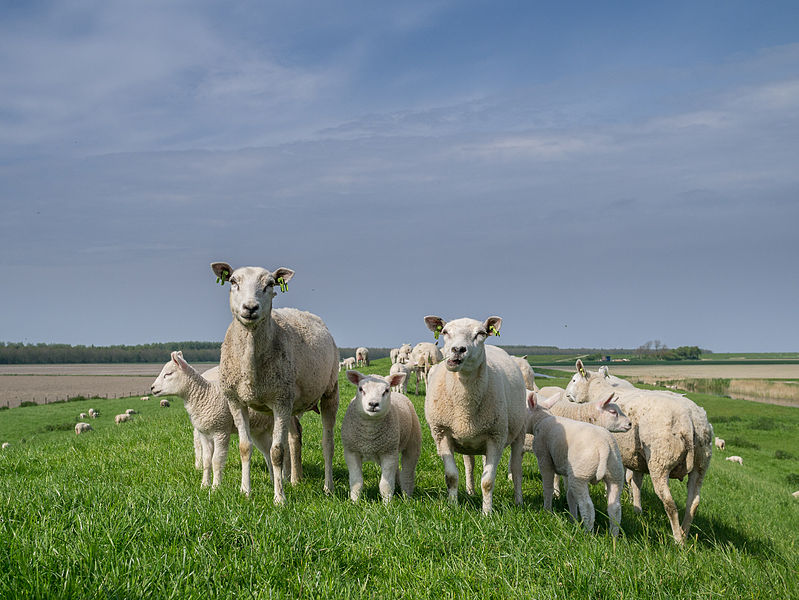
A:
(671, 438)
(362, 356)
(281, 361)
(735, 459)
(527, 372)
(83, 416)
(212, 421)
(348, 363)
(720, 443)
(130, 411)
(6, 445)
(378, 426)
(82, 428)
(94, 413)
(164, 403)
(584, 454)
(394, 355)
(145, 397)
(475, 404)
(121, 418)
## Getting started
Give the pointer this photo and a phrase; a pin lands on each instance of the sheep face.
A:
(464, 340)
(373, 395)
(251, 290)
(169, 381)
(612, 418)
(578, 386)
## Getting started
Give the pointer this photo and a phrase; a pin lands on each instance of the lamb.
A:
(475, 404)
(404, 353)
(527, 372)
(145, 398)
(378, 426)
(362, 356)
(735, 459)
(164, 403)
(394, 355)
(212, 421)
(584, 454)
(130, 411)
(83, 416)
(720, 443)
(93, 413)
(402, 387)
(348, 363)
(121, 418)
(281, 361)
(671, 438)
(82, 428)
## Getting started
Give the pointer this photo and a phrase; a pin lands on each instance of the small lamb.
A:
(378, 426)
(394, 355)
(720, 443)
(347, 363)
(145, 397)
(735, 459)
(94, 413)
(164, 403)
(83, 416)
(584, 454)
(121, 418)
(82, 428)
(402, 387)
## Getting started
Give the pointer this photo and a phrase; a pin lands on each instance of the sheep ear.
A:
(177, 358)
(435, 324)
(283, 272)
(606, 402)
(354, 376)
(581, 369)
(531, 399)
(222, 270)
(492, 325)
(396, 379)
(524, 357)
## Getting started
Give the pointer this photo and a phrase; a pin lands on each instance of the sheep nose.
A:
(459, 349)
(373, 404)
(250, 306)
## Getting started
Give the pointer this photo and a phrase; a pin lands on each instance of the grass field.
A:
(118, 513)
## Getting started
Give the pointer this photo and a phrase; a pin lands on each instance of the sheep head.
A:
(373, 395)
(464, 340)
(251, 290)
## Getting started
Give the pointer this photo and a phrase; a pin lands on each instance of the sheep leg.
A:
(242, 420)
(198, 451)
(695, 479)
(221, 443)
(294, 466)
(574, 504)
(613, 490)
(490, 462)
(328, 406)
(388, 476)
(406, 477)
(635, 480)
(446, 452)
(355, 468)
(468, 468)
(516, 455)
(208, 453)
(660, 481)
(548, 475)
(582, 496)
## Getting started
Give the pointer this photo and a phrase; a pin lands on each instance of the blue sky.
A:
(598, 174)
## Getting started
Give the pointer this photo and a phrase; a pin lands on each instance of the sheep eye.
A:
(613, 412)
(360, 389)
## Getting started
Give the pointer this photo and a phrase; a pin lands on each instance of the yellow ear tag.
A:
(284, 287)
(582, 372)
(493, 330)
(437, 332)
(221, 280)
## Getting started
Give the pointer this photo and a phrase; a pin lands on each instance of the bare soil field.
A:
(48, 383)
(677, 371)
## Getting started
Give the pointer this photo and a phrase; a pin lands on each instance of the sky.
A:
(597, 174)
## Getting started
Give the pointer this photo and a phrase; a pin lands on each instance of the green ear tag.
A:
(221, 280)
(582, 372)
(494, 330)
(284, 287)
(437, 332)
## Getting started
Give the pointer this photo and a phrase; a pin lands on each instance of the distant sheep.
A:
(130, 411)
(394, 355)
(121, 418)
(145, 397)
(404, 353)
(6, 445)
(347, 364)
(82, 428)
(362, 357)
(795, 494)
(735, 459)
(720, 443)
(164, 403)
(94, 413)
(83, 416)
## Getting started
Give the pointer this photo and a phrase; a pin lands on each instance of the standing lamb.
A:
(94, 413)
(213, 423)
(404, 353)
(348, 363)
(82, 428)
(671, 438)
(402, 387)
(282, 361)
(584, 454)
(720, 443)
(394, 355)
(378, 426)
(735, 459)
(362, 356)
(475, 404)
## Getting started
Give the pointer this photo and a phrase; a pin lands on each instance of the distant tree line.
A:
(658, 350)
(12, 353)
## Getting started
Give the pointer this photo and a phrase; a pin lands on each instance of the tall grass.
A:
(118, 513)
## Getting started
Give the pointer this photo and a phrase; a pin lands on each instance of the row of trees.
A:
(20, 354)
(655, 349)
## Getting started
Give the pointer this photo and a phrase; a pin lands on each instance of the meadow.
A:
(119, 513)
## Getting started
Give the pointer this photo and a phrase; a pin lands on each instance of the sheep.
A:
(145, 398)
(281, 361)
(348, 363)
(130, 411)
(6, 445)
(362, 357)
(121, 418)
(83, 416)
(404, 353)
(720, 443)
(394, 355)
(527, 372)
(735, 459)
(671, 438)
(94, 413)
(402, 387)
(795, 494)
(584, 454)
(475, 404)
(212, 420)
(378, 426)
(613, 380)
(164, 403)
(82, 428)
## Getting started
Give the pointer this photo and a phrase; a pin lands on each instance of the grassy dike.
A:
(119, 513)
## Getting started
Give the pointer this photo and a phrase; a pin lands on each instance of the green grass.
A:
(118, 513)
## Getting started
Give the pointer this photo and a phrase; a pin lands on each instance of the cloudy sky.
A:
(598, 174)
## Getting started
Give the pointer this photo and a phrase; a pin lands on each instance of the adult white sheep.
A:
(378, 426)
(527, 372)
(735, 459)
(282, 361)
(212, 421)
(584, 454)
(671, 438)
(394, 355)
(720, 443)
(404, 353)
(82, 428)
(475, 404)
(122, 418)
(362, 356)
(613, 380)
